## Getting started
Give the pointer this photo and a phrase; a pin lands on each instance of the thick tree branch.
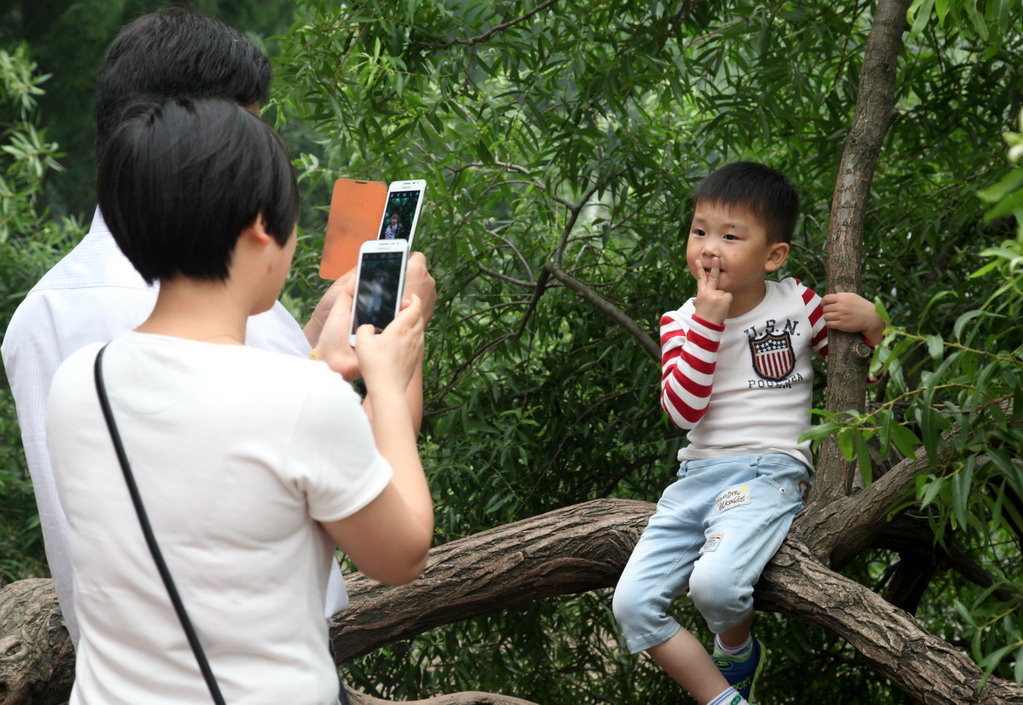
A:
(927, 668)
(468, 698)
(570, 550)
(843, 528)
(548, 555)
(874, 109)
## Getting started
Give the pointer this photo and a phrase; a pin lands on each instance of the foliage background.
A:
(560, 142)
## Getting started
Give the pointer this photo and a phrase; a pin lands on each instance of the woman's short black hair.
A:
(763, 191)
(174, 52)
(180, 178)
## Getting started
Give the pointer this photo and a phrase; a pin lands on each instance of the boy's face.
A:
(739, 243)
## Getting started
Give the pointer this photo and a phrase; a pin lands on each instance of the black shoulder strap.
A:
(147, 530)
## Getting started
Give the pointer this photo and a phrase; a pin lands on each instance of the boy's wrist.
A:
(713, 325)
(875, 333)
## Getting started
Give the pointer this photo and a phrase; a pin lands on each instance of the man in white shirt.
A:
(94, 293)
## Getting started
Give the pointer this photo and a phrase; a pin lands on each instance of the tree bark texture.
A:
(874, 110)
(36, 656)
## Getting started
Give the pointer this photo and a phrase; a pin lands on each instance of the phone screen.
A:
(376, 300)
(400, 214)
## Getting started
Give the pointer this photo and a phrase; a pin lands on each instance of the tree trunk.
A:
(875, 103)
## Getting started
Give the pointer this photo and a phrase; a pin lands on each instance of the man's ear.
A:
(776, 256)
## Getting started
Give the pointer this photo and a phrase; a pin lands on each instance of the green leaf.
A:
(990, 661)
(1009, 204)
(905, 440)
(957, 329)
(846, 441)
(1010, 183)
(929, 427)
(978, 21)
(920, 12)
(962, 484)
(819, 432)
(933, 487)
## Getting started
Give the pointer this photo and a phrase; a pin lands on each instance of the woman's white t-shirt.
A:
(237, 453)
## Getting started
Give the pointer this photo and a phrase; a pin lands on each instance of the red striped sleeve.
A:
(815, 315)
(689, 348)
(672, 403)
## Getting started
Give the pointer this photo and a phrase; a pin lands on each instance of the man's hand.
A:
(852, 313)
(711, 304)
(332, 346)
(323, 308)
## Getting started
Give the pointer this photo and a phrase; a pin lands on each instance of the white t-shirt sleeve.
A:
(333, 458)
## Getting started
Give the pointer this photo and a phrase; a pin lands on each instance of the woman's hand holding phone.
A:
(334, 343)
(385, 361)
(392, 357)
(418, 280)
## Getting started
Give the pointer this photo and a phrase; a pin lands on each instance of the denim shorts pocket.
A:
(794, 492)
(788, 478)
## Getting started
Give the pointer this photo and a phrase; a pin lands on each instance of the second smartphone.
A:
(379, 284)
(401, 212)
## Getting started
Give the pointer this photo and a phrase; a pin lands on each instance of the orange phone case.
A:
(356, 208)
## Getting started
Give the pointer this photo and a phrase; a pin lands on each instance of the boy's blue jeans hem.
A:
(714, 530)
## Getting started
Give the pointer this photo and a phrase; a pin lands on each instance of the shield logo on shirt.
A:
(772, 356)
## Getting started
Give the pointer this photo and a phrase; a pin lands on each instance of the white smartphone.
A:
(401, 211)
(379, 283)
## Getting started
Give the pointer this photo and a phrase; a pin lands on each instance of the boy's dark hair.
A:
(180, 179)
(174, 52)
(765, 192)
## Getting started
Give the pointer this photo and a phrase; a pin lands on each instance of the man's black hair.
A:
(764, 192)
(174, 52)
(180, 179)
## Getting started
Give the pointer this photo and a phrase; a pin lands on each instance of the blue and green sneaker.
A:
(742, 672)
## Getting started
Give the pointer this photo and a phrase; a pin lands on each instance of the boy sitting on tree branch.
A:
(737, 375)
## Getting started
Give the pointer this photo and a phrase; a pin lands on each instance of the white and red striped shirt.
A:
(746, 386)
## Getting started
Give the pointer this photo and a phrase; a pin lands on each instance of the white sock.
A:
(722, 650)
(729, 697)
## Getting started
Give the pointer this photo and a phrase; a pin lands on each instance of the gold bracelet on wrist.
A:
(313, 355)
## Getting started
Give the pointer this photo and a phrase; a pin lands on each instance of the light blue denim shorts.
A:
(714, 530)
